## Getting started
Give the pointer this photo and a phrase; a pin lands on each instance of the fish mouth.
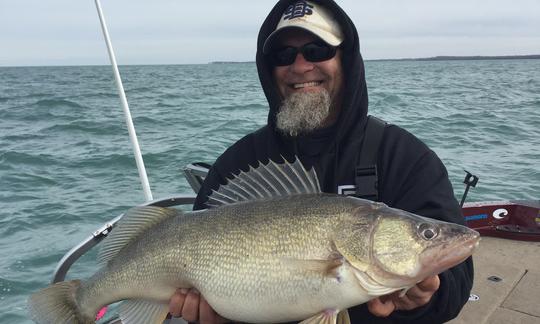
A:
(446, 255)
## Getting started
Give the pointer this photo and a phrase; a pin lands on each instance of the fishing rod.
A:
(127, 113)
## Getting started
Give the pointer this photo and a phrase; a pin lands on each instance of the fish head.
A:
(395, 248)
(407, 248)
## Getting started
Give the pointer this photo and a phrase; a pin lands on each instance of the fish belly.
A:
(288, 298)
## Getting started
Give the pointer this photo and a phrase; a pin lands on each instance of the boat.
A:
(514, 220)
(506, 263)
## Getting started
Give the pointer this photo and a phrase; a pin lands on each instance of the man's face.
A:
(310, 78)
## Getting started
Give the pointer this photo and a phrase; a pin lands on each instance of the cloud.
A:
(171, 31)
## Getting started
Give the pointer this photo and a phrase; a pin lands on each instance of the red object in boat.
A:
(515, 220)
(101, 313)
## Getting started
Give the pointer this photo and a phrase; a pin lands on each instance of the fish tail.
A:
(57, 304)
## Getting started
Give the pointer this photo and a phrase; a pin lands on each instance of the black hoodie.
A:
(411, 177)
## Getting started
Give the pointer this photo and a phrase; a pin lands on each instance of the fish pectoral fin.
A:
(140, 311)
(329, 267)
(343, 317)
(329, 316)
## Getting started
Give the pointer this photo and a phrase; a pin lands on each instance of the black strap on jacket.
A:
(366, 179)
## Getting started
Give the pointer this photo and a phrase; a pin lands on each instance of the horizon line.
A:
(432, 58)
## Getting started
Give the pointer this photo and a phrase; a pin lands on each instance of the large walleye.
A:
(272, 249)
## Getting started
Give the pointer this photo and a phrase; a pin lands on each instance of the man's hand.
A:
(417, 296)
(191, 306)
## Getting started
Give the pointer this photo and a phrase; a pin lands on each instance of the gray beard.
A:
(303, 112)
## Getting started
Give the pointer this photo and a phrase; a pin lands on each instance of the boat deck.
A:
(507, 283)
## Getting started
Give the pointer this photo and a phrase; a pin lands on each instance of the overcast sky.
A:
(67, 32)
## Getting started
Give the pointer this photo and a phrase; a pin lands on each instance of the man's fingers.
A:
(381, 309)
(177, 302)
(190, 310)
(418, 295)
(430, 284)
(207, 315)
(421, 293)
(405, 303)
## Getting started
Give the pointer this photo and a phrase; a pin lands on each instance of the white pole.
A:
(127, 113)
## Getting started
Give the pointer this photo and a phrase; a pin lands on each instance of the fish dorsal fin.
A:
(134, 222)
(267, 181)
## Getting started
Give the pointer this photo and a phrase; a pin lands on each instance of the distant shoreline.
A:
(434, 58)
(231, 62)
(466, 58)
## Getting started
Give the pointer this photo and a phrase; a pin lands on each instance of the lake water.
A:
(66, 165)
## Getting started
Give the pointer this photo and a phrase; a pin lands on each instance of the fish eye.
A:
(427, 231)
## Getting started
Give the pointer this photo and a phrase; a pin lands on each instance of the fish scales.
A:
(258, 245)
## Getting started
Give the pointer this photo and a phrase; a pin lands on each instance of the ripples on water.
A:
(477, 115)
(66, 165)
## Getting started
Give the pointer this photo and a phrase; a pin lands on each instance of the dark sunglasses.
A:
(312, 52)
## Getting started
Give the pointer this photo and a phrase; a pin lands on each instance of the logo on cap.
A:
(297, 10)
(311, 17)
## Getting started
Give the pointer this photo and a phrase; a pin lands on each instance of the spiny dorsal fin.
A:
(267, 181)
(134, 222)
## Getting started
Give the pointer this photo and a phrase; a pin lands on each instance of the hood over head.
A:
(355, 98)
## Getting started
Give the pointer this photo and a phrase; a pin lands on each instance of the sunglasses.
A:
(312, 52)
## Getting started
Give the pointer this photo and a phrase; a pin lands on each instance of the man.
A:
(312, 73)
